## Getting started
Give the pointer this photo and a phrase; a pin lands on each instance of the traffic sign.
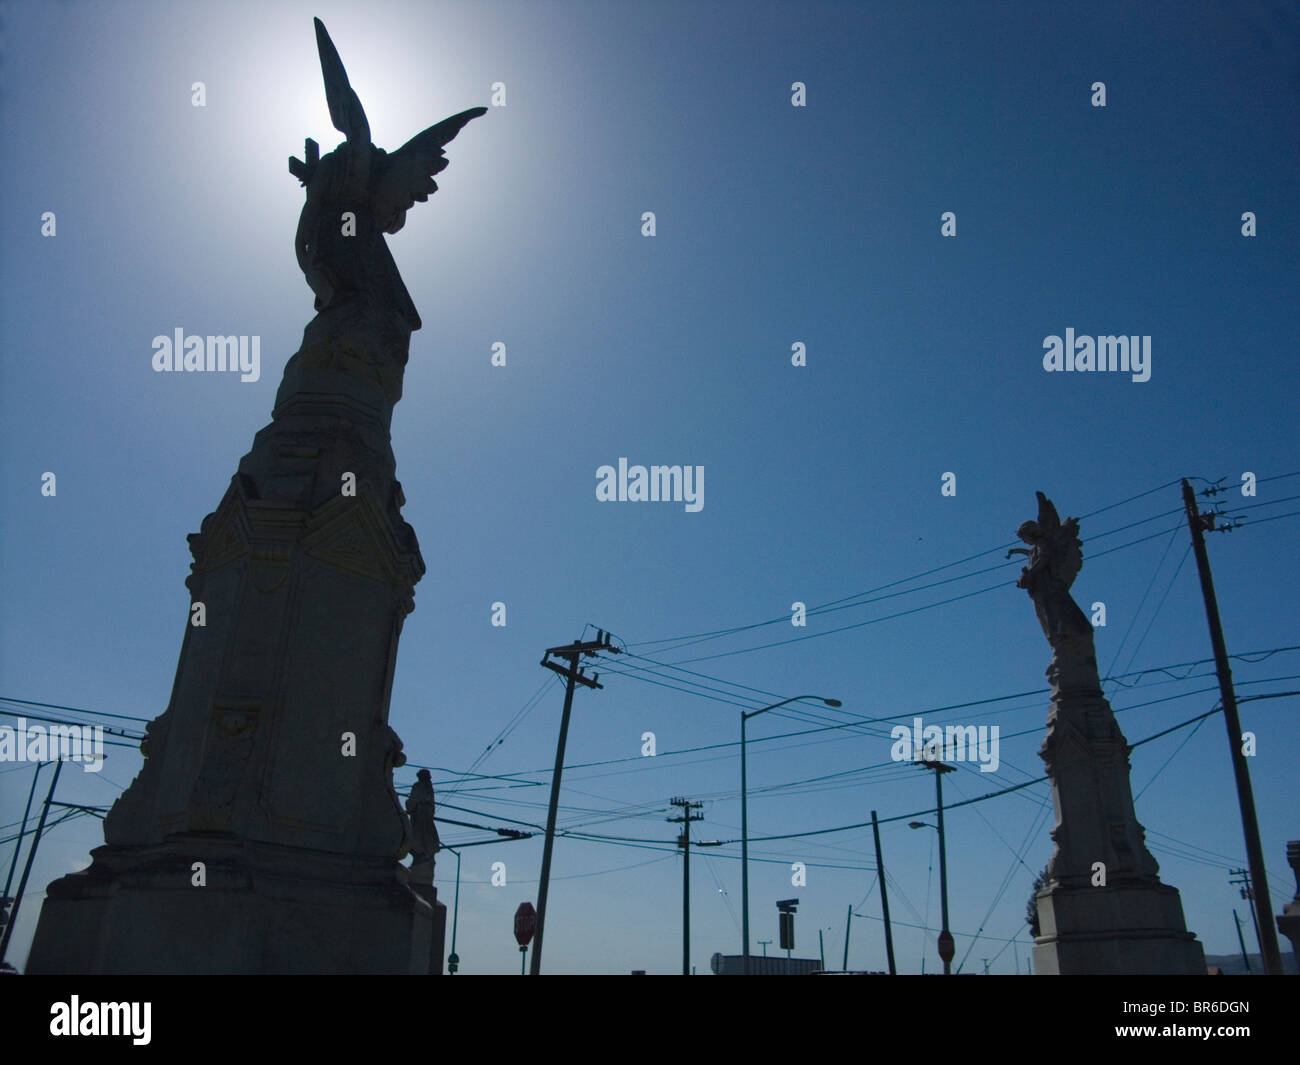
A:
(946, 948)
(525, 924)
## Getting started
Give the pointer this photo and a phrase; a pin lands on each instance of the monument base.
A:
(1125, 929)
(261, 909)
(438, 935)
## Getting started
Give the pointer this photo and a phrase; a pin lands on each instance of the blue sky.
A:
(775, 224)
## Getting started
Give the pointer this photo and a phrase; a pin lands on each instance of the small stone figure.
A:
(424, 830)
(1055, 558)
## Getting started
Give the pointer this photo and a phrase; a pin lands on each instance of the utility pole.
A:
(884, 896)
(1243, 881)
(22, 831)
(945, 936)
(684, 841)
(574, 676)
(1249, 822)
(31, 857)
(848, 925)
(821, 949)
(1245, 958)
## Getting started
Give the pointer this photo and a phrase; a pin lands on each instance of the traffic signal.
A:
(787, 930)
(787, 908)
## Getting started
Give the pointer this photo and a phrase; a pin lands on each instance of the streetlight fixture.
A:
(745, 715)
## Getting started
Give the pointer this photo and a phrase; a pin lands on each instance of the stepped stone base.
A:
(1124, 929)
(263, 910)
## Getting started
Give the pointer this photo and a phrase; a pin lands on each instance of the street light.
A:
(745, 715)
(453, 960)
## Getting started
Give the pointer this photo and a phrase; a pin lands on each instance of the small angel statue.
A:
(1055, 558)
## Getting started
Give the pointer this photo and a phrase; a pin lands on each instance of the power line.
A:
(702, 637)
(901, 613)
(1250, 657)
(685, 641)
(1142, 602)
(73, 709)
(967, 802)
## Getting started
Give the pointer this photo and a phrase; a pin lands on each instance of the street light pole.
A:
(745, 715)
(744, 850)
(454, 959)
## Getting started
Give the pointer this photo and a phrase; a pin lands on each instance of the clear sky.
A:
(774, 225)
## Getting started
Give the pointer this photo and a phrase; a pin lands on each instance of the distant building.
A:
(734, 965)
(1231, 964)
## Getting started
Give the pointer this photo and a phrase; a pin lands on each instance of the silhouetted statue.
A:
(424, 830)
(1055, 558)
(358, 192)
(1126, 922)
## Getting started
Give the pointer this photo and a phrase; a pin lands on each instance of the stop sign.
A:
(525, 923)
(946, 949)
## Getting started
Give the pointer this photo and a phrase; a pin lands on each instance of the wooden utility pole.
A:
(27, 869)
(574, 676)
(848, 925)
(945, 937)
(1245, 958)
(884, 895)
(684, 841)
(1249, 822)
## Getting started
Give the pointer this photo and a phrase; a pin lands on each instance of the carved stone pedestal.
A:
(263, 834)
(263, 909)
(1288, 921)
(1133, 929)
(438, 927)
(1105, 910)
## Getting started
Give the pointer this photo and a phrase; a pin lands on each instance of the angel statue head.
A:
(1029, 531)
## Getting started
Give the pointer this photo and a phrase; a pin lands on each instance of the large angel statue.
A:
(1055, 558)
(358, 192)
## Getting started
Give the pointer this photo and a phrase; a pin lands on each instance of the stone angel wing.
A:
(1066, 547)
(406, 175)
(346, 112)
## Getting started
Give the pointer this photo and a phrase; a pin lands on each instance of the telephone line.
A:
(684, 640)
(1250, 657)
